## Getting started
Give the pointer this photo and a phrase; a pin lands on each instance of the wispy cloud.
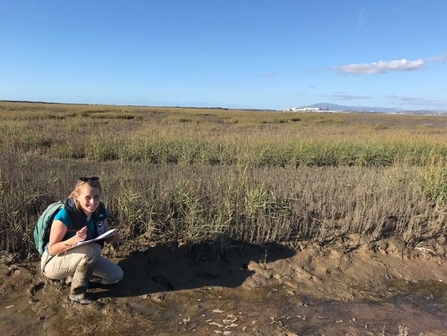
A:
(439, 59)
(361, 19)
(385, 36)
(415, 101)
(397, 9)
(342, 95)
(267, 74)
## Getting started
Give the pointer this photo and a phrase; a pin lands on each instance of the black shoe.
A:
(83, 299)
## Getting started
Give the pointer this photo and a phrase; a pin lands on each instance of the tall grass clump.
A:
(134, 209)
(434, 180)
(252, 210)
(190, 214)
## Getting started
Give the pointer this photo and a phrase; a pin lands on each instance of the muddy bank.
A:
(344, 288)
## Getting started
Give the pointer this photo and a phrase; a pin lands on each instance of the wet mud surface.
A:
(252, 290)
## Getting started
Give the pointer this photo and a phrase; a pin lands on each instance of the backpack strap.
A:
(77, 219)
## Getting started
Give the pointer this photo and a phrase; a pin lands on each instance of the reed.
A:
(215, 176)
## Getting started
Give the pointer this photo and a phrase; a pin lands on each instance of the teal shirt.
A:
(62, 216)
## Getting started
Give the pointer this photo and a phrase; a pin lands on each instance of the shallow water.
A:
(274, 311)
(17, 318)
(270, 311)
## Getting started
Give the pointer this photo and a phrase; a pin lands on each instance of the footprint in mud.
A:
(163, 281)
(35, 292)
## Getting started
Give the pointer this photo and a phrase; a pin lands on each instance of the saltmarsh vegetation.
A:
(200, 176)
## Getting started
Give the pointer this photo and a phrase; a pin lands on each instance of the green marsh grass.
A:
(214, 176)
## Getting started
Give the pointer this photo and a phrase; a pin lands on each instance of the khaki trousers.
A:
(85, 259)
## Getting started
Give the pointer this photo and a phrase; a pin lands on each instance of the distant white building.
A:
(306, 109)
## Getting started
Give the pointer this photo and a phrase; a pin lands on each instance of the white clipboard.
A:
(105, 235)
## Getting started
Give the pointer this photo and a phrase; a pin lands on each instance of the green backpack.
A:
(43, 225)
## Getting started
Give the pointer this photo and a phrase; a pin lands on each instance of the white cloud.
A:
(380, 67)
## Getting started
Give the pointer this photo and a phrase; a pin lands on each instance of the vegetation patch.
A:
(214, 176)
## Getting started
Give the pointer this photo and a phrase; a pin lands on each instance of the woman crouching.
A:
(82, 218)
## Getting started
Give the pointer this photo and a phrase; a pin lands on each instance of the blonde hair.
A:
(80, 183)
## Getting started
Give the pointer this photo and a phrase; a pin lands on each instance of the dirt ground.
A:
(346, 287)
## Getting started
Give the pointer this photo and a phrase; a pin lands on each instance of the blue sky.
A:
(228, 53)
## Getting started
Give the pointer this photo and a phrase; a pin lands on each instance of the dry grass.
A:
(214, 175)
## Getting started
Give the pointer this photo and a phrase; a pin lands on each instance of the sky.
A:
(255, 54)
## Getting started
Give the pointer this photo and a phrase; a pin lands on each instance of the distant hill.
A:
(335, 107)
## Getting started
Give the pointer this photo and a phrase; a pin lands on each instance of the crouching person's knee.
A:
(118, 275)
(93, 249)
(115, 274)
(91, 253)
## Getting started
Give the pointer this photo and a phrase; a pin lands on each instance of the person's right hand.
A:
(81, 234)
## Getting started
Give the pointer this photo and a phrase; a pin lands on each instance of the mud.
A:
(354, 288)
